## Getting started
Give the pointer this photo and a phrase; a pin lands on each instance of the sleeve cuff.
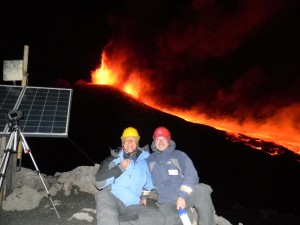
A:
(184, 195)
(145, 194)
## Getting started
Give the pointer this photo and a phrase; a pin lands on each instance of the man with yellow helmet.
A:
(121, 179)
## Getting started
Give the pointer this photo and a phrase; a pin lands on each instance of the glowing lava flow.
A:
(103, 75)
(112, 74)
(107, 75)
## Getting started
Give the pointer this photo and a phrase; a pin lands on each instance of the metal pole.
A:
(25, 65)
(24, 83)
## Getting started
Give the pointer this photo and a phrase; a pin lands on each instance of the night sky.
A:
(230, 60)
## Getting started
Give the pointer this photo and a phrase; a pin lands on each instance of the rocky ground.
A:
(77, 208)
(75, 204)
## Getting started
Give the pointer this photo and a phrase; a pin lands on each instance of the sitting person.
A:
(121, 179)
(176, 181)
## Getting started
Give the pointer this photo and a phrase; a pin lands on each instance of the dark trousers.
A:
(111, 211)
(200, 199)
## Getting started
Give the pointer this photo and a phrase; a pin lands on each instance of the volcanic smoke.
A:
(209, 64)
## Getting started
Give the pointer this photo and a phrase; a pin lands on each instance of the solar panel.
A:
(46, 110)
(9, 96)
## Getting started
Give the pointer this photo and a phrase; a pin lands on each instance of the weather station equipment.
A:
(27, 112)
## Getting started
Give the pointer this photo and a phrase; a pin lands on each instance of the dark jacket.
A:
(173, 173)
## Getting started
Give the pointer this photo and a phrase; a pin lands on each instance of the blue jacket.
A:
(128, 184)
(173, 173)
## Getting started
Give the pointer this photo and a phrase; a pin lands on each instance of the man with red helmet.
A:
(176, 181)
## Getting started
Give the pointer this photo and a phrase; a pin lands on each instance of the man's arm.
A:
(190, 178)
(109, 170)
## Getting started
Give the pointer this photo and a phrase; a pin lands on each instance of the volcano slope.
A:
(241, 177)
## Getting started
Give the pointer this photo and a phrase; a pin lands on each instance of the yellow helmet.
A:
(130, 132)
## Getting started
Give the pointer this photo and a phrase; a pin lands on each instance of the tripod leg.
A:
(27, 150)
(6, 156)
(19, 156)
(9, 182)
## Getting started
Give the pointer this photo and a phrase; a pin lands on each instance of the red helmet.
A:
(162, 132)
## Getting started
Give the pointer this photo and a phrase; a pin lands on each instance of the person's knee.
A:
(172, 219)
(203, 188)
(170, 214)
(104, 196)
(152, 217)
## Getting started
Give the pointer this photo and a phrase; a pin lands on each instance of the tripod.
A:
(15, 136)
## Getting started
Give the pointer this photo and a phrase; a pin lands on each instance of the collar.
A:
(132, 156)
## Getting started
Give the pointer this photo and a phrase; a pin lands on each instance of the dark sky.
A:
(230, 59)
(65, 38)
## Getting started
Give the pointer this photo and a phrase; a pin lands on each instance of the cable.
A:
(82, 152)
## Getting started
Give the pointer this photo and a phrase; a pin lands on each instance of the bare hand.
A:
(180, 204)
(125, 163)
(143, 201)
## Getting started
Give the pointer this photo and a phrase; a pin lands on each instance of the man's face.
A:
(130, 144)
(161, 143)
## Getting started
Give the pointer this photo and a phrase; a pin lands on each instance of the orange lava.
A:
(278, 129)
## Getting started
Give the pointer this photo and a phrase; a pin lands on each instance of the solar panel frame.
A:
(46, 111)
